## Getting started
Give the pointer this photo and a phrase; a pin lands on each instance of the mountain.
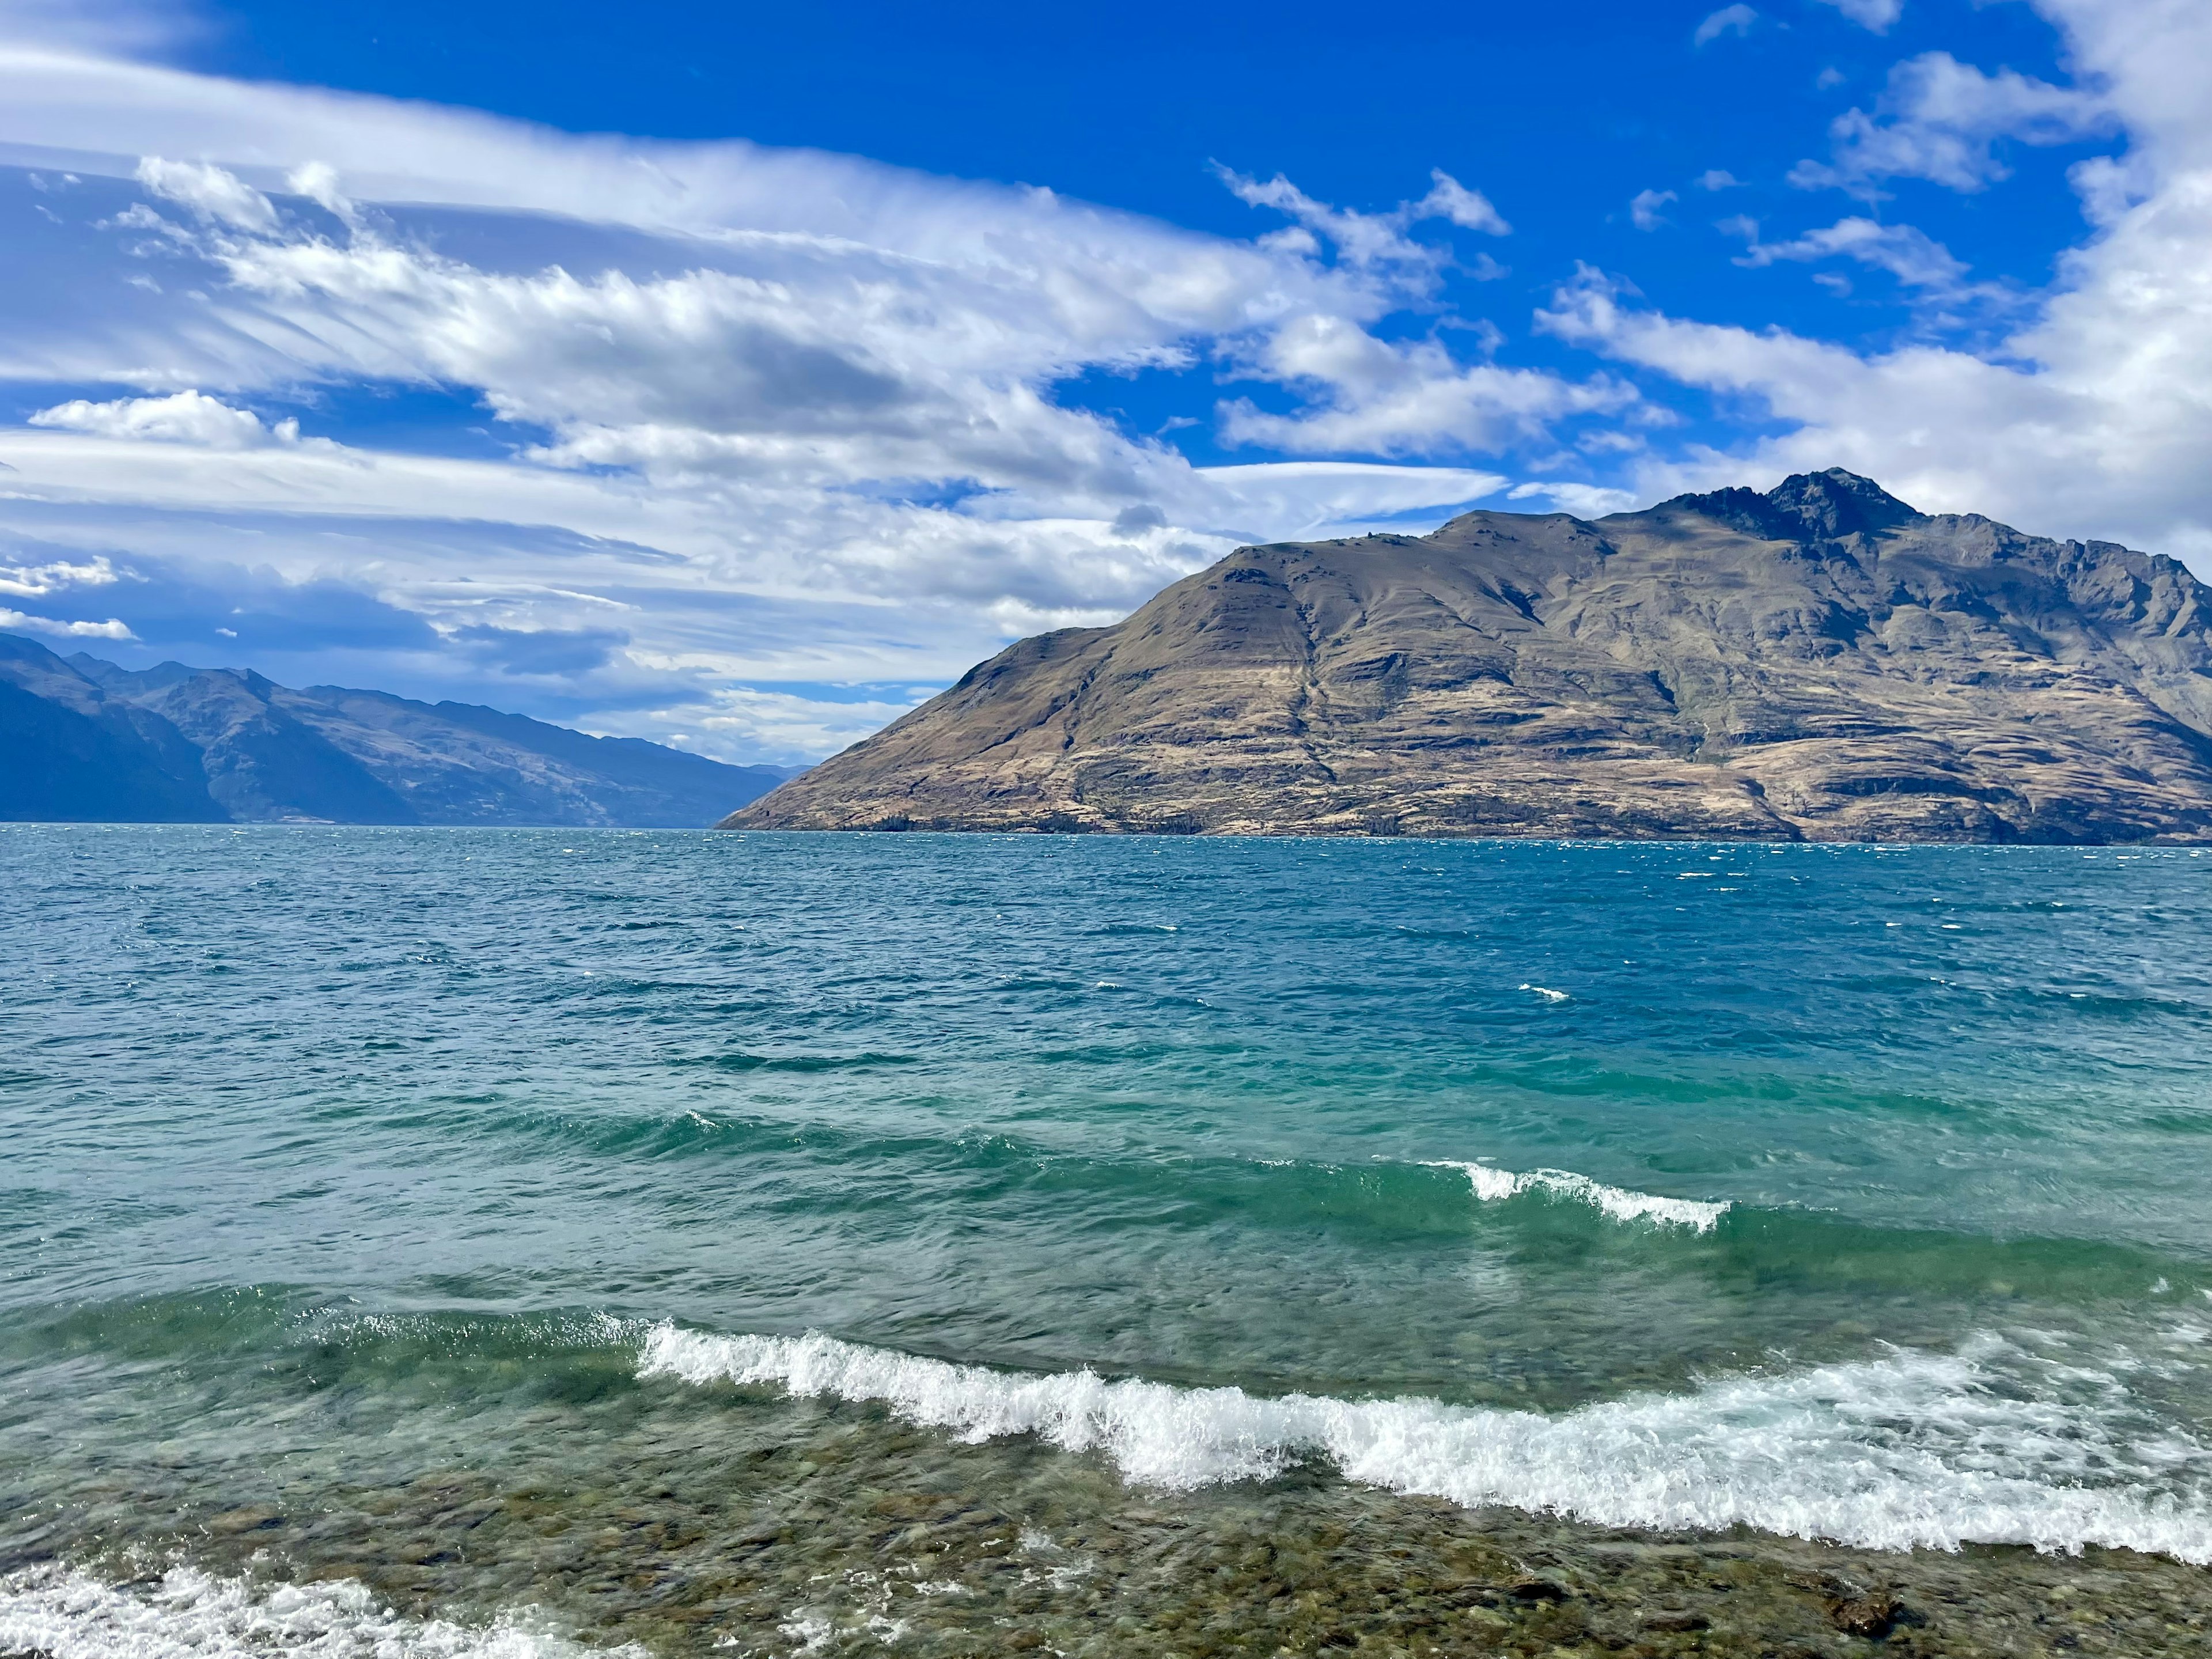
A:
(84, 741)
(1818, 662)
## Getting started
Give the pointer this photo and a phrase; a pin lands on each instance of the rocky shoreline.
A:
(780, 1527)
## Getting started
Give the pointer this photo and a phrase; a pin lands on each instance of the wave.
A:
(1492, 1185)
(1915, 1450)
(190, 1615)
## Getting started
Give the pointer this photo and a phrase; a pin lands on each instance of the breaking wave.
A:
(1912, 1450)
(67, 1614)
(1491, 1185)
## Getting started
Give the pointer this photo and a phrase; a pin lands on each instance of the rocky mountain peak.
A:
(1837, 503)
(1805, 507)
(1737, 664)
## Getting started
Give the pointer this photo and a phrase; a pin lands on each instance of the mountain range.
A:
(1819, 661)
(85, 741)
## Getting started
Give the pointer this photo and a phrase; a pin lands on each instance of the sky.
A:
(737, 375)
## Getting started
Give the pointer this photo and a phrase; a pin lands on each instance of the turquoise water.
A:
(1840, 1193)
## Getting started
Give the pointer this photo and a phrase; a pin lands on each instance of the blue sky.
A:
(736, 375)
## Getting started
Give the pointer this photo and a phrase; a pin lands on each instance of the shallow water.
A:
(507, 1220)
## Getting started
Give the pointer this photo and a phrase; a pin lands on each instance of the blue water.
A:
(1861, 1193)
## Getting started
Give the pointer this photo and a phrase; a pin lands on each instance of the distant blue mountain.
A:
(85, 741)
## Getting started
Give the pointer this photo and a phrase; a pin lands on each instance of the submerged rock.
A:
(1873, 1613)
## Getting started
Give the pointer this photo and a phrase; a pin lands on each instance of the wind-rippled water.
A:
(354, 1178)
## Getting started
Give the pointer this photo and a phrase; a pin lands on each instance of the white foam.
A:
(1916, 1451)
(1546, 993)
(191, 1615)
(1491, 1185)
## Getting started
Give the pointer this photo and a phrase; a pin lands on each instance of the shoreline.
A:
(861, 1535)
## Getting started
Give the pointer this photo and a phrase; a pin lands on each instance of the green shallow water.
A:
(446, 1213)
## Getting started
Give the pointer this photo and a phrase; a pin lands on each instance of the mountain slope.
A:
(1820, 661)
(84, 740)
(67, 753)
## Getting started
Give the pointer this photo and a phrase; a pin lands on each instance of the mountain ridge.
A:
(1817, 661)
(83, 740)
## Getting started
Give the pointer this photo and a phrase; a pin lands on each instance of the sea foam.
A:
(1912, 1450)
(1491, 1185)
(191, 1615)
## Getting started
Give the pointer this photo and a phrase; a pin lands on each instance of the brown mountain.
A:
(1820, 662)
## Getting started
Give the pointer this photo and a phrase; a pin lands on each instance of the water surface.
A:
(1836, 1193)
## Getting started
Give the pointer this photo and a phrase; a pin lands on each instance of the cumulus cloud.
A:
(185, 417)
(110, 629)
(1729, 19)
(1646, 210)
(1939, 120)
(1717, 178)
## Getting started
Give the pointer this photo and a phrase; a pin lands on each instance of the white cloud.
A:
(1941, 119)
(842, 426)
(1717, 178)
(1582, 501)
(785, 420)
(185, 417)
(1877, 14)
(773, 725)
(2090, 420)
(318, 181)
(794, 364)
(214, 196)
(37, 581)
(113, 25)
(1314, 499)
(1470, 210)
(1407, 398)
(1371, 241)
(1910, 255)
(789, 421)
(1645, 210)
(110, 629)
(1729, 19)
